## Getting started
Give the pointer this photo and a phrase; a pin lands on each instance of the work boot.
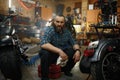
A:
(44, 78)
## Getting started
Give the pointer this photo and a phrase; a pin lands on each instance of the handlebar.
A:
(6, 18)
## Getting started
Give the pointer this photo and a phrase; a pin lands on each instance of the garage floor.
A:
(30, 73)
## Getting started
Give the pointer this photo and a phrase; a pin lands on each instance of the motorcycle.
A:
(11, 52)
(101, 58)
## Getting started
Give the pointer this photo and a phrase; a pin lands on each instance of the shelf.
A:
(115, 31)
(105, 26)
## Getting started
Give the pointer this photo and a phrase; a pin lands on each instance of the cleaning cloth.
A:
(61, 62)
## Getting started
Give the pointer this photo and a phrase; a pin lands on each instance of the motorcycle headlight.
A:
(91, 48)
(93, 44)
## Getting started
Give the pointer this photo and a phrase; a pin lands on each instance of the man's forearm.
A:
(76, 46)
(50, 47)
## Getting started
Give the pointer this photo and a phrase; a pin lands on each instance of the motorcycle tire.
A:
(10, 63)
(108, 68)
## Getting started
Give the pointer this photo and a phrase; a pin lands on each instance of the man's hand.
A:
(63, 55)
(76, 56)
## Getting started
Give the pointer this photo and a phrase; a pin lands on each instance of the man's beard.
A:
(59, 29)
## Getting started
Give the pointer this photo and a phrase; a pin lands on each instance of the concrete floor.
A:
(31, 73)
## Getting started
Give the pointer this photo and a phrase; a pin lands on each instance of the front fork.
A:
(20, 47)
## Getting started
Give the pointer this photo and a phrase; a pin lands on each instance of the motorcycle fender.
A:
(102, 48)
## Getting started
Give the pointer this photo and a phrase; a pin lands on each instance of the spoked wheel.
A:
(111, 67)
(108, 68)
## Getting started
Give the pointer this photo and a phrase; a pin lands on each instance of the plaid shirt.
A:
(61, 40)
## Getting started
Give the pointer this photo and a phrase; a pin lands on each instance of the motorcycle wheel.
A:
(10, 63)
(108, 68)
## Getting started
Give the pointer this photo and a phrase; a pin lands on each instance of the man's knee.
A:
(43, 52)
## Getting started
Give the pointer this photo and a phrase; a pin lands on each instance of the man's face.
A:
(59, 21)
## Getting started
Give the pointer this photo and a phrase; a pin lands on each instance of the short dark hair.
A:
(61, 15)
